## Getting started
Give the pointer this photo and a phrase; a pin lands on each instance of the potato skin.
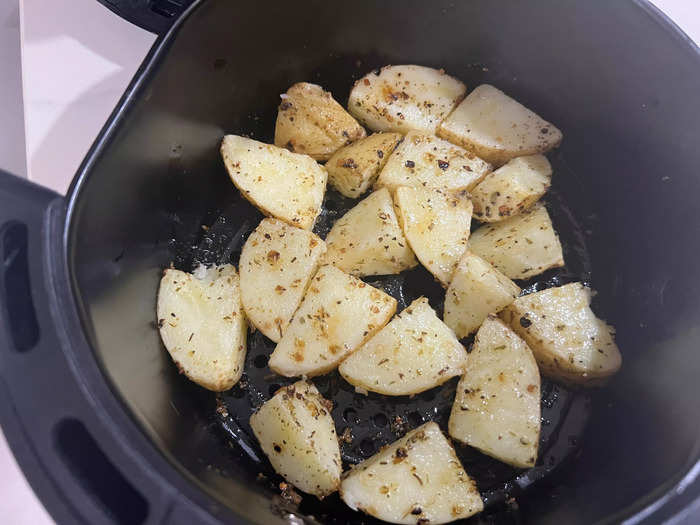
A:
(354, 168)
(511, 189)
(497, 128)
(477, 289)
(436, 224)
(202, 325)
(570, 343)
(280, 183)
(297, 433)
(404, 98)
(310, 121)
(424, 160)
(276, 264)
(497, 405)
(520, 247)
(413, 353)
(337, 315)
(368, 239)
(415, 480)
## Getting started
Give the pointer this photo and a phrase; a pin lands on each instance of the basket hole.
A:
(367, 447)
(380, 420)
(97, 474)
(350, 416)
(415, 419)
(260, 361)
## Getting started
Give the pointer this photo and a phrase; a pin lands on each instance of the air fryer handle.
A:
(156, 16)
(71, 458)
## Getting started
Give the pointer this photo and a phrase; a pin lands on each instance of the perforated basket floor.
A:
(371, 421)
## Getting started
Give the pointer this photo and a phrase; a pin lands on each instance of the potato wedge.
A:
(497, 406)
(569, 342)
(519, 247)
(280, 183)
(413, 353)
(436, 224)
(296, 431)
(310, 121)
(512, 188)
(497, 128)
(415, 480)
(405, 98)
(277, 263)
(477, 289)
(426, 161)
(202, 324)
(337, 315)
(354, 168)
(368, 240)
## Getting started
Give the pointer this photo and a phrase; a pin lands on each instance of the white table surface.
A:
(77, 59)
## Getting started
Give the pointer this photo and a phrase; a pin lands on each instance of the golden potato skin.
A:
(310, 121)
(405, 98)
(354, 168)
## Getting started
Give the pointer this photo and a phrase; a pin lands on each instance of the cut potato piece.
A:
(354, 168)
(497, 128)
(337, 315)
(477, 289)
(277, 262)
(310, 121)
(427, 161)
(296, 431)
(436, 224)
(202, 324)
(282, 184)
(497, 406)
(368, 240)
(569, 342)
(520, 247)
(512, 188)
(405, 98)
(413, 353)
(415, 480)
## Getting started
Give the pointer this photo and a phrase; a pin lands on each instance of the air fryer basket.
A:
(614, 76)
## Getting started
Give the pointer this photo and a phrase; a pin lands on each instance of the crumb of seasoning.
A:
(289, 493)
(443, 165)
(221, 407)
(410, 164)
(398, 425)
(401, 454)
(346, 436)
(348, 163)
(525, 322)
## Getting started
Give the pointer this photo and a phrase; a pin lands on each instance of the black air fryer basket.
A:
(105, 428)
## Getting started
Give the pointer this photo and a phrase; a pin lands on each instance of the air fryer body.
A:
(621, 84)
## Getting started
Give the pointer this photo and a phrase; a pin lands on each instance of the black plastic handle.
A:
(156, 16)
(70, 435)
